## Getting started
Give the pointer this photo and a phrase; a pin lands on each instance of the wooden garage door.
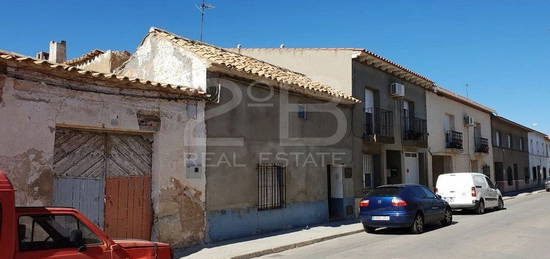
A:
(79, 167)
(128, 207)
(107, 177)
(128, 212)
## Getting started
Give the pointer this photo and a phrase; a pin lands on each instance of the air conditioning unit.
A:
(397, 90)
(469, 121)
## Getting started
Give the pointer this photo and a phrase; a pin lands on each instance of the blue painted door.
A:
(79, 172)
(84, 194)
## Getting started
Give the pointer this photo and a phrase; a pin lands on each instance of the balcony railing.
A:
(453, 139)
(378, 125)
(415, 130)
(482, 145)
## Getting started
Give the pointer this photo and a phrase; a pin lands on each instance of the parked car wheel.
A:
(448, 219)
(480, 209)
(500, 203)
(417, 226)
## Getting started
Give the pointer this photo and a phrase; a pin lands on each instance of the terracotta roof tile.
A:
(235, 61)
(115, 80)
(84, 58)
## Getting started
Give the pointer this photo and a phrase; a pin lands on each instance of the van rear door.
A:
(455, 188)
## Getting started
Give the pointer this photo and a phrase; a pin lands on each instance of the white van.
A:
(469, 191)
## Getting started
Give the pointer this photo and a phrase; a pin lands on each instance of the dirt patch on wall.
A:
(181, 219)
(32, 175)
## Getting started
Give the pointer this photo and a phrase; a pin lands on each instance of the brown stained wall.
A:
(31, 110)
(232, 176)
(510, 156)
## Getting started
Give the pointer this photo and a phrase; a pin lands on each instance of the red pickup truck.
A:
(47, 232)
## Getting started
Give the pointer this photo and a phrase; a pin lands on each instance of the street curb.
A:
(505, 198)
(295, 245)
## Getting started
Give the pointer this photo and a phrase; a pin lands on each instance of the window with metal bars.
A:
(271, 186)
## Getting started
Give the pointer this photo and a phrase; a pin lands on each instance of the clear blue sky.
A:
(501, 48)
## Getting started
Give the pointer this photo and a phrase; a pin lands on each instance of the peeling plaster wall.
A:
(232, 188)
(157, 59)
(30, 112)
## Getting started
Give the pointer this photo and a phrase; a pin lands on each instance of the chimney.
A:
(58, 52)
(42, 55)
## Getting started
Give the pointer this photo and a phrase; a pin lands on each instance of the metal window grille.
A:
(302, 112)
(271, 186)
(378, 122)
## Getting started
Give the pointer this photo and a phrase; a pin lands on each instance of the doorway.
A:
(441, 165)
(335, 191)
(411, 168)
(107, 177)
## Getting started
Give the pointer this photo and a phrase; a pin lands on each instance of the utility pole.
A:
(202, 9)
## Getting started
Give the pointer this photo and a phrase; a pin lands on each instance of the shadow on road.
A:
(471, 212)
(401, 231)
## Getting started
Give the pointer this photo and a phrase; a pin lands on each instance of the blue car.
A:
(403, 206)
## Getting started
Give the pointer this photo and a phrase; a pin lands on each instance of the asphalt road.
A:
(522, 230)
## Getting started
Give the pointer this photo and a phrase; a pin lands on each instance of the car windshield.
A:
(385, 191)
(47, 231)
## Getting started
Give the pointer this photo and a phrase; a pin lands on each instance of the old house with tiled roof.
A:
(276, 139)
(389, 126)
(106, 144)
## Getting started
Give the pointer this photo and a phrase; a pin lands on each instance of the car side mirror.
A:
(438, 196)
(77, 239)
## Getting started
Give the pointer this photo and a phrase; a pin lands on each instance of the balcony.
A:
(378, 125)
(453, 140)
(414, 132)
(482, 145)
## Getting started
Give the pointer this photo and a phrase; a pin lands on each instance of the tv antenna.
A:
(467, 92)
(202, 8)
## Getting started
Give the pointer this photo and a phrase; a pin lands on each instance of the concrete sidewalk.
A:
(284, 240)
(514, 194)
(271, 243)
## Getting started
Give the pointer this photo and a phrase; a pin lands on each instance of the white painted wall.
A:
(335, 70)
(538, 152)
(158, 59)
(437, 109)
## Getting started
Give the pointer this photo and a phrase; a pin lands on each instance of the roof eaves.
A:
(84, 58)
(386, 65)
(459, 98)
(510, 122)
(110, 78)
(252, 66)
